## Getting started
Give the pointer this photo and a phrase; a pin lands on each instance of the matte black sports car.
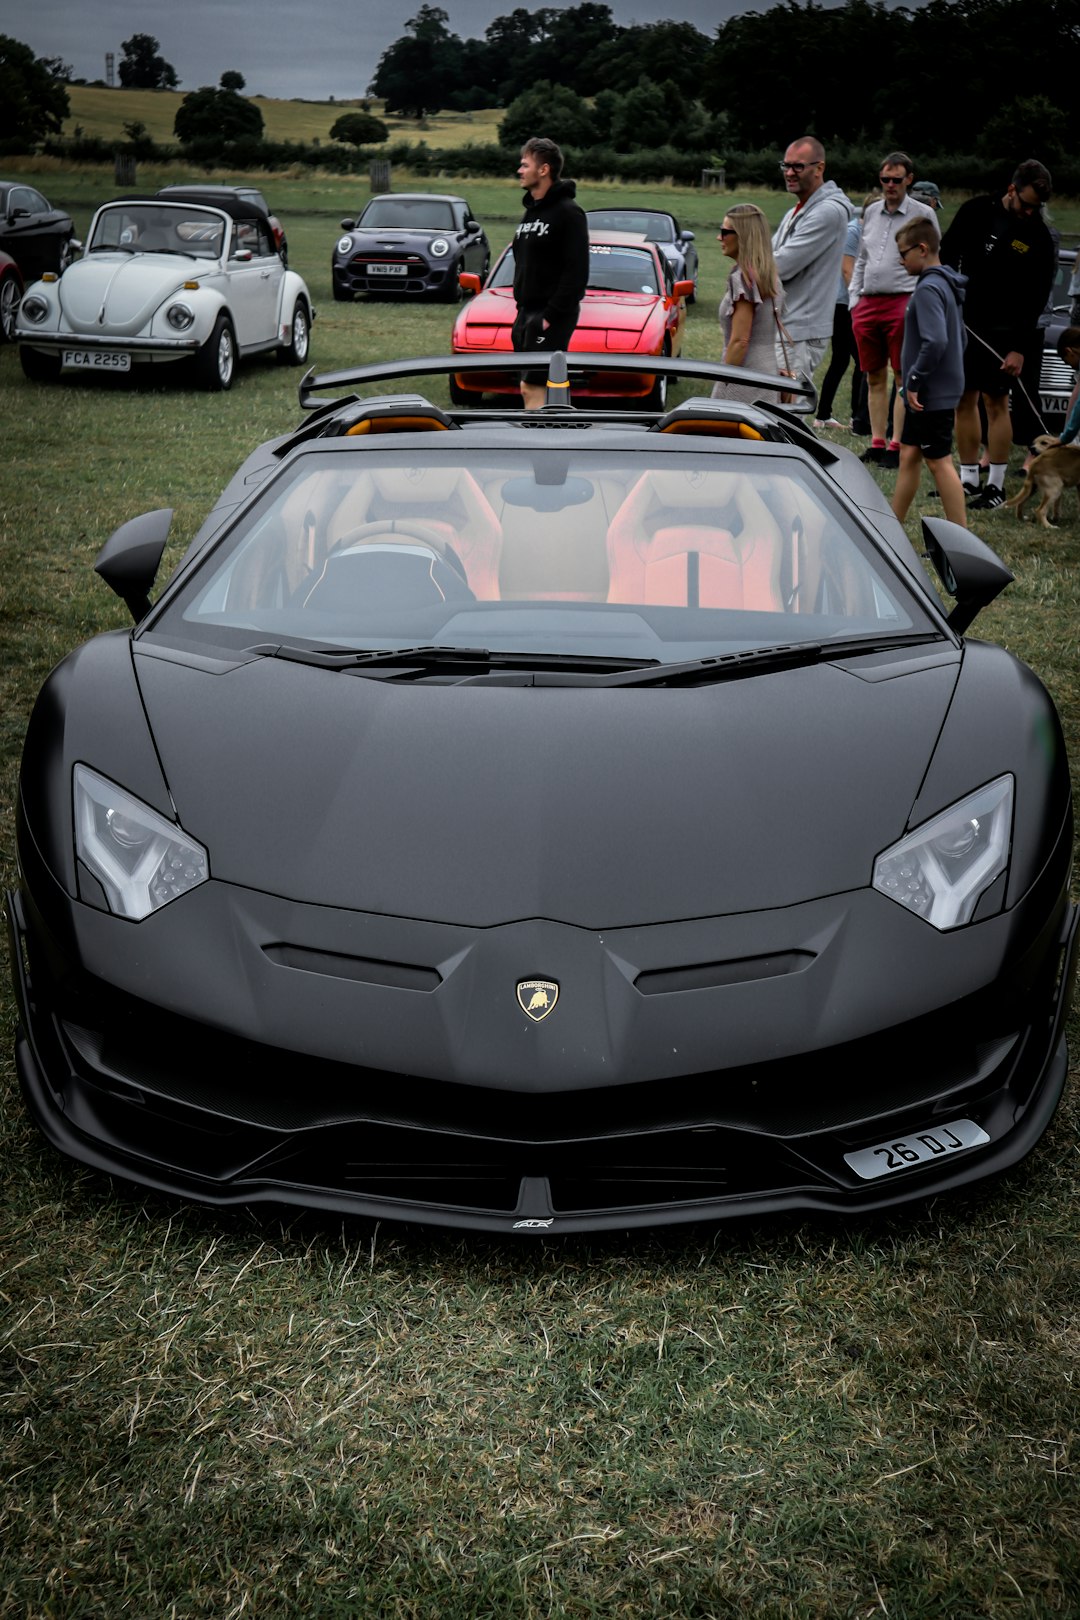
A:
(409, 243)
(545, 822)
(1056, 379)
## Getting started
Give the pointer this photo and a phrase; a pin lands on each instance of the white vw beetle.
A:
(163, 281)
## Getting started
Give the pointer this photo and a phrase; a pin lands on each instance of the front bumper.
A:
(237, 1112)
(139, 348)
(420, 278)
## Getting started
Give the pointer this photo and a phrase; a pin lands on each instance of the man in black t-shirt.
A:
(1004, 248)
(551, 260)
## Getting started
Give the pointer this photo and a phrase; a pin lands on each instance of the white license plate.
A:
(888, 1157)
(97, 359)
(387, 269)
(1052, 404)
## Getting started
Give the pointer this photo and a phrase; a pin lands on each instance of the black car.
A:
(676, 244)
(409, 243)
(245, 194)
(39, 238)
(1056, 379)
(541, 822)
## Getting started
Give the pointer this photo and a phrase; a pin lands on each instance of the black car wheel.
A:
(216, 360)
(342, 295)
(37, 366)
(462, 396)
(451, 291)
(10, 299)
(295, 352)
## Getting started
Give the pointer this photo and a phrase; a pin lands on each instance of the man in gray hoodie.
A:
(808, 246)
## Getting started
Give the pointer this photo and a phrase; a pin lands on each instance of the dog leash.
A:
(1001, 358)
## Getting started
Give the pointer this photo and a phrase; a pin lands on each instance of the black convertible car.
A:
(409, 243)
(545, 822)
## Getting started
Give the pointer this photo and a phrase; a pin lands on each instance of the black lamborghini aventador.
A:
(543, 823)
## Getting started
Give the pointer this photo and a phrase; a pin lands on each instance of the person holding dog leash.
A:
(1004, 248)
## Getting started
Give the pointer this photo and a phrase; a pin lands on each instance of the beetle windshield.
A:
(134, 227)
(643, 555)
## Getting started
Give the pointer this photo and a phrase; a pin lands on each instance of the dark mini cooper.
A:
(409, 243)
(545, 821)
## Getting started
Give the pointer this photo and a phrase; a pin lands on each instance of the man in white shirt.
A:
(808, 246)
(879, 291)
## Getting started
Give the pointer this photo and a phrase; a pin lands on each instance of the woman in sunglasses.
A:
(750, 308)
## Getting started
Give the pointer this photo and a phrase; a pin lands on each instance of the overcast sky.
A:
(312, 49)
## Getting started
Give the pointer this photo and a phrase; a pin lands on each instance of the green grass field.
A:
(211, 1414)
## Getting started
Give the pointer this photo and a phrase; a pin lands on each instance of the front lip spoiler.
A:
(534, 1212)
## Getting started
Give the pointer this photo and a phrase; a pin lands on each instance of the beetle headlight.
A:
(440, 247)
(35, 309)
(180, 316)
(344, 244)
(141, 860)
(941, 870)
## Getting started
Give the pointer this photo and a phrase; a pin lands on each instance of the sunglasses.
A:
(891, 179)
(728, 230)
(797, 168)
(903, 252)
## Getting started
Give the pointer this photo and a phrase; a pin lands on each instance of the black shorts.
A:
(528, 332)
(929, 431)
(982, 368)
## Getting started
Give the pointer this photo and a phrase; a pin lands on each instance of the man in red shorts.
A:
(879, 291)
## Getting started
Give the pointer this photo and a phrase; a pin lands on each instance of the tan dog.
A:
(1055, 469)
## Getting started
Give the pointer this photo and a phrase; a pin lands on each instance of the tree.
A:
(359, 129)
(231, 80)
(551, 110)
(57, 68)
(417, 74)
(142, 68)
(209, 119)
(36, 102)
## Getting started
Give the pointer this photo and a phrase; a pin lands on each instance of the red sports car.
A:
(11, 291)
(632, 305)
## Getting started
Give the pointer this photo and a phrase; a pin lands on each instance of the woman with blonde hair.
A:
(750, 308)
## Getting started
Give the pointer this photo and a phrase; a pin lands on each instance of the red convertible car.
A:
(632, 306)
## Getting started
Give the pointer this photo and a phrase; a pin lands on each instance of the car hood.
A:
(600, 312)
(602, 808)
(121, 291)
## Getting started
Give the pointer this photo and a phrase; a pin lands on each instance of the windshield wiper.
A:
(469, 660)
(763, 660)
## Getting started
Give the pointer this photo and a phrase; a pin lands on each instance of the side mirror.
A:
(687, 236)
(129, 560)
(472, 227)
(468, 281)
(348, 224)
(966, 567)
(684, 289)
(242, 256)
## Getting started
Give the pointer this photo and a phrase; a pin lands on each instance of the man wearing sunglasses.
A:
(1004, 248)
(879, 290)
(808, 247)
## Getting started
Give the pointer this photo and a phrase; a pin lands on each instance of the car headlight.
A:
(180, 316)
(141, 860)
(941, 870)
(440, 247)
(35, 309)
(344, 244)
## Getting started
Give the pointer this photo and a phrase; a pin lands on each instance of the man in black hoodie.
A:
(551, 261)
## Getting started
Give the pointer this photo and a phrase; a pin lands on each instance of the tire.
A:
(215, 362)
(295, 352)
(10, 299)
(452, 292)
(342, 295)
(656, 398)
(693, 296)
(462, 396)
(39, 367)
(283, 250)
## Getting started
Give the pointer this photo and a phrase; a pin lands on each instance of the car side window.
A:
(21, 201)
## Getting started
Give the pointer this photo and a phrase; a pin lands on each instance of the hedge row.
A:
(854, 167)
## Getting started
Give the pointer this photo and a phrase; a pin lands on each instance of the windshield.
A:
(408, 213)
(639, 222)
(597, 554)
(611, 269)
(158, 228)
